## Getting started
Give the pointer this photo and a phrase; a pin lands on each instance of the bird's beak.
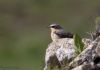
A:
(49, 26)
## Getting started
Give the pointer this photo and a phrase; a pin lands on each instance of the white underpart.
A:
(55, 37)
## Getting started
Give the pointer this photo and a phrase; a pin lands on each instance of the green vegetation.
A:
(79, 45)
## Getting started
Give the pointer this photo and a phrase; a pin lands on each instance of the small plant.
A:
(79, 45)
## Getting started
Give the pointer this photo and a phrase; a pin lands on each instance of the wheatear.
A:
(57, 32)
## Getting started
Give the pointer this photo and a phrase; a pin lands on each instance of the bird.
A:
(57, 32)
(55, 49)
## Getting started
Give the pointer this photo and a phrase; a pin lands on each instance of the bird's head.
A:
(55, 27)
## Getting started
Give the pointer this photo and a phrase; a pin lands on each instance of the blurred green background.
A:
(24, 35)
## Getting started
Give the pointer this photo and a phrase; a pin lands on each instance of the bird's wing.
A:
(64, 35)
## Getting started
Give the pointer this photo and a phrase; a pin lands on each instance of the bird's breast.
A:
(54, 36)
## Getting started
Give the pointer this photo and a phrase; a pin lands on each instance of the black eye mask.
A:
(56, 27)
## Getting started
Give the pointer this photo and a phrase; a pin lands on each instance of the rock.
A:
(61, 51)
(89, 59)
(58, 51)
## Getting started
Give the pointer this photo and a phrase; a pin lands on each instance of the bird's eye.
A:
(53, 26)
